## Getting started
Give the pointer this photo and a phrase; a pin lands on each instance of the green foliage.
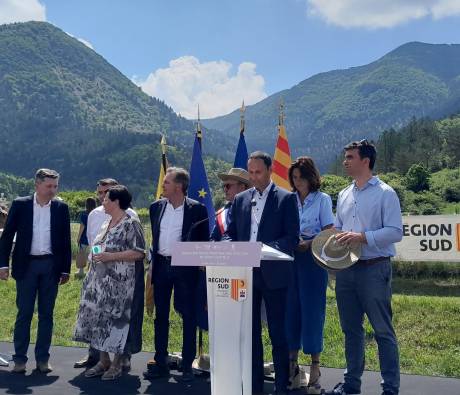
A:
(144, 215)
(446, 184)
(328, 110)
(13, 186)
(417, 178)
(422, 203)
(396, 181)
(332, 185)
(64, 107)
(421, 141)
(76, 201)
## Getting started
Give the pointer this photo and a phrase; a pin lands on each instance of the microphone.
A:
(195, 224)
(253, 204)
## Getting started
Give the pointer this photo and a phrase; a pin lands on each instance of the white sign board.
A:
(430, 238)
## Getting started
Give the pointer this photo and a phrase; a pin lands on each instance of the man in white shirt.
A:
(96, 219)
(268, 214)
(41, 260)
(175, 218)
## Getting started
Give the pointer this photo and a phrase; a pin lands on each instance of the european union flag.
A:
(199, 187)
(241, 156)
(199, 190)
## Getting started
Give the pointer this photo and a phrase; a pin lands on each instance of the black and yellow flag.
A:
(163, 167)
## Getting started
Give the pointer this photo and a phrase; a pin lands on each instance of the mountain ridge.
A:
(327, 110)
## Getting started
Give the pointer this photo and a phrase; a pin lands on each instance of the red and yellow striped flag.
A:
(282, 157)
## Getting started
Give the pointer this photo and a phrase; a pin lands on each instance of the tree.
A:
(417, 178)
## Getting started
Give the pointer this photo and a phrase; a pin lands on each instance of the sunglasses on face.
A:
(227, 186)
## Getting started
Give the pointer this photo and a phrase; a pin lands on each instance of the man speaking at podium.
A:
(268, 214)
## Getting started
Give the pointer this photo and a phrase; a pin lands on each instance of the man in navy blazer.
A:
(41, 260)
(174, 218)
(268, 214)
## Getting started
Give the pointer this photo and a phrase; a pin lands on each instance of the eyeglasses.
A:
(227, 186)
(364, 142)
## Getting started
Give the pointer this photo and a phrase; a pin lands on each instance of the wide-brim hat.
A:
(330, 254)
(236, 174)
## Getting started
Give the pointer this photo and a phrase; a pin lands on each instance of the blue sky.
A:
(219, 52)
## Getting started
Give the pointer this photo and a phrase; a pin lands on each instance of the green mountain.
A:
(328, 110)
(64, 106)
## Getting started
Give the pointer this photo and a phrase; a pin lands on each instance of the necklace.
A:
(114, 223)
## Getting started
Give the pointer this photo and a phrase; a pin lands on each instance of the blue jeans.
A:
(366, 289)
(39, 282)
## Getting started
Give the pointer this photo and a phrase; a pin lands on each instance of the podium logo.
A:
(238, 290)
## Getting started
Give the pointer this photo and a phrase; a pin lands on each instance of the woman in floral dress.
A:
(107, 294)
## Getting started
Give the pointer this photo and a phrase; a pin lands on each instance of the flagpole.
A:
(242, 123)
(241, 155)
(199, 133)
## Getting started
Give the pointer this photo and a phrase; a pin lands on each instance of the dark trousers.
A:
(39, 283)
(184, 282)
(275, 305)
(361, 290)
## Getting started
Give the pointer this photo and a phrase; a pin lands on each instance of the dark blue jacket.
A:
(278, 228)
(20, 222)
(194, 212)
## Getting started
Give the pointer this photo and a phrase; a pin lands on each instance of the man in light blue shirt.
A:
(369, 213)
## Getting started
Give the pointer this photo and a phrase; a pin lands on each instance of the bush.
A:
(332, 185)
(417, 178)
(396, 181)
(423, 203)
(144, 215)
(76, 201)
(446, 184)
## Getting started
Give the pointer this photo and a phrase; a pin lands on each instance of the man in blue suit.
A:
(268, 214)
(41, 261)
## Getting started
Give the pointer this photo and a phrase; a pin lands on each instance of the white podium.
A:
(229, 293)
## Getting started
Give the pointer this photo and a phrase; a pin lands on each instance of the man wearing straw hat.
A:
(236, 180)
(369, 214)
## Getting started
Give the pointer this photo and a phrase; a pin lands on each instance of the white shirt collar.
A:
(178, 208)
(38, 204)
(265, 191)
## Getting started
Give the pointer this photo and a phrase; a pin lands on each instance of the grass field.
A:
(428, 327)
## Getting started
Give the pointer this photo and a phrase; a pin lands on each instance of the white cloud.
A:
(82, 40)
(187, 82)
(87, 43)
(374, 14)
(21, 11)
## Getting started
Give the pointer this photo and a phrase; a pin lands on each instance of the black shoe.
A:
(156, 371)
(125, 363)
(86, 362)
(387, 392)
(187, 375)
(341, 389)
